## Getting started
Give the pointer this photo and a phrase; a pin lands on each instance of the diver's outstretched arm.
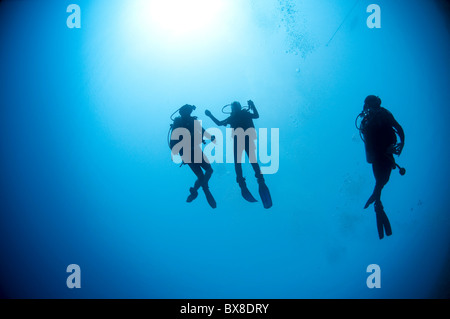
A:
(215, 120)
(255, 114)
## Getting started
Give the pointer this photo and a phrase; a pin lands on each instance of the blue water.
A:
(86, 174)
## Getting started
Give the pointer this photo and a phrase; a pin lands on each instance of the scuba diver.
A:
(379, 130)
(186, 121)
(241, 121)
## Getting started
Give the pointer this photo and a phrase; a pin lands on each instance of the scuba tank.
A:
(186, 108)
(361, 123)
(185, 112)
(169, 134)
(363, 116)
(170, 142)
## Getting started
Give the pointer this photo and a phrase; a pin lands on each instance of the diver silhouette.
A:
(379, 130)
(241, 121)
(186, 121)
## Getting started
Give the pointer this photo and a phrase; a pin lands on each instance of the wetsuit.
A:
(243, 119)
(380, 130)
(196, 165)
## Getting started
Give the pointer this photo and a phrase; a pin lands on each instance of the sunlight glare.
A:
(175, 17)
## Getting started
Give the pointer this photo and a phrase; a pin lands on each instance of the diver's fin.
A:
(246, 194)
(265, 195)
(383, 224)
(386, 224)
(387, 227)
(193, 195)
(209, 197)
(380, 225)
(370, 201)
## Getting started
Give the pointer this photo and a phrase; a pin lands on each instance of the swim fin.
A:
(383, 224)
(387, 226)
(246, 194)
(370, 201)
(380, 225)
(193, 195)
(386, 223)
(265, 195)
(209, 197)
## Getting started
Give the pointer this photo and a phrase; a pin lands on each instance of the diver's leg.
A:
(237, 153)
(251, 154)
(264, 192)
(196, 168)
(382, 172)
(239, 176)
(208, 173)
(257, 169)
